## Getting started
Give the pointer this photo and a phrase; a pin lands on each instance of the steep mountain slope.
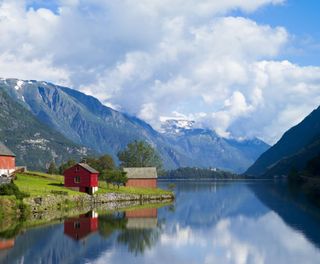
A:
(297, 161)
(35, 144)
(298, 145)
(85, 121)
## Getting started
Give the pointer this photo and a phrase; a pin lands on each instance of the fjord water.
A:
(209, 222)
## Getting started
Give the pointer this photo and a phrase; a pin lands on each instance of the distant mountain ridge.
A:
(295, 148)
(85, 121)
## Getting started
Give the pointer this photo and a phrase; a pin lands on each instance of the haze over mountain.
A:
(296, 147)
(85, 121)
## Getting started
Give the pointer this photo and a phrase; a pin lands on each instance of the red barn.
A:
(7, 161)
(141, 177)
(80, 227)
(81, 177)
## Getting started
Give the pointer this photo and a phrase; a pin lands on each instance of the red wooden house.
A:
(80, 227)
(7, 161)
(141, 177)
(81, 177)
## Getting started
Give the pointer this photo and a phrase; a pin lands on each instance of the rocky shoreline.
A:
(109, 201)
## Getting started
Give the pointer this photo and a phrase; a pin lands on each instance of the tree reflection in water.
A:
(109, 223)
(138, 240)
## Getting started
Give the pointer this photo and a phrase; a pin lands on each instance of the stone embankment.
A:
(111, 200)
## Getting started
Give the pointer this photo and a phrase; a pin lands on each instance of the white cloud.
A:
(156, 58)
(37, 69)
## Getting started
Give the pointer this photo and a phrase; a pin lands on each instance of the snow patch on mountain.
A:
(19, 85)
(175, 126)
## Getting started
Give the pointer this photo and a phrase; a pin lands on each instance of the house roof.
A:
(4, 151)
(88, 168)
(141, 173)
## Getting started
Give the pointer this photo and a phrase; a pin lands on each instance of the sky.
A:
(245, 68)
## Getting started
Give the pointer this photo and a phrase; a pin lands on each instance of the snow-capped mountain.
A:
(176, 126)
(84, 120)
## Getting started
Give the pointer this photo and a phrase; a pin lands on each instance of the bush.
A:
(12, 189)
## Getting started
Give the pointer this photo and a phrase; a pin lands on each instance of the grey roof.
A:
(4, 151)
(88, 168)
(141, 173)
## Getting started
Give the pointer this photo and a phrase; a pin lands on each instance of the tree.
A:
(121, 178)
(52, 169)
(140, 154)
(116, 177)
(102, 163)
(66, 165)
(108, 176)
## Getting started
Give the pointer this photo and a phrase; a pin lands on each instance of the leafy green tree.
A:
(102, 163)
(116, 177)
(140, 154)
(66, 165)
(108, 176)
(120, 178)
(52, 169)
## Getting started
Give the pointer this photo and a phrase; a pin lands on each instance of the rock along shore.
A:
(110, 200)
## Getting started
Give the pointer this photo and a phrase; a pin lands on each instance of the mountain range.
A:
(296, 147)
(83, 122)
(33, 143)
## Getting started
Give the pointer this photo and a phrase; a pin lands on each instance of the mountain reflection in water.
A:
(210, 222)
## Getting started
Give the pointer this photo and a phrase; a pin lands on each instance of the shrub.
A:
(12, 189)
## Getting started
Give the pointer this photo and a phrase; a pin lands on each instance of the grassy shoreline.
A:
(37, 184)
(46, 192)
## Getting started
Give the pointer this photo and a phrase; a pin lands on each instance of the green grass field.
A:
(39, 184)
(129, 190)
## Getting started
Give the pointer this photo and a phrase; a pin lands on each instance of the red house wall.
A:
(7, 162)
(145, 183)
(87, 179)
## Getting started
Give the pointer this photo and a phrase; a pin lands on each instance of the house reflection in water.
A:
(80, 227)
(6, 244)
(146, 218)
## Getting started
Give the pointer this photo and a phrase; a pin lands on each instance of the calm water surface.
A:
(210, 222)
